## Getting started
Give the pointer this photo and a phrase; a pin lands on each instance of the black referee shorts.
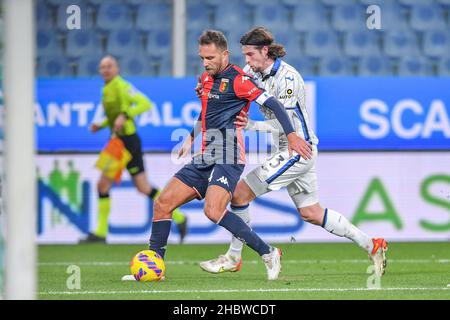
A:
(133, 145)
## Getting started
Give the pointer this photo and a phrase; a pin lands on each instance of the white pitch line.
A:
(236, 291)
(181, 262)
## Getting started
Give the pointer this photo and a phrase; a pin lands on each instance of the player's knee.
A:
(212, 213)
(312, 215)
(241, 196)
(162, 208)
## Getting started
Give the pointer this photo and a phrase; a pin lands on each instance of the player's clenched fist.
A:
(94, 127)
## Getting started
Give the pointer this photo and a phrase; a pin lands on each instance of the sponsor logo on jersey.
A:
(289, 91)
(245, 78)
(213, 96)
(224, 85)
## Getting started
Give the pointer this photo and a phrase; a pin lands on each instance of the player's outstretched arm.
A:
(295, 143)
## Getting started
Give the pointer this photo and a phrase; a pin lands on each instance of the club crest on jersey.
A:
(224, 85)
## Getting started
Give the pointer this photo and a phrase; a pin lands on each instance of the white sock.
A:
(236, 245)
(337, 224)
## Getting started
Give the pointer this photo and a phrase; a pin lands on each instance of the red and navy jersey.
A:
(224, 97)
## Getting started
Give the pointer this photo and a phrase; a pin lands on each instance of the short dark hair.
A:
(213, 37)
(261, 37)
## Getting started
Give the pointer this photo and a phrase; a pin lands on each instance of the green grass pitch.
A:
(310, 271)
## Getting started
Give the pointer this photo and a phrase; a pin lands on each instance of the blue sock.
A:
(158, 238)
(243, 232)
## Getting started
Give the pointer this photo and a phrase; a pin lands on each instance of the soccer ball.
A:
(147, 265)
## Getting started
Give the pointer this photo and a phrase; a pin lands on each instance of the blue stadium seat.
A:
(154, 16)
(444, 3)
(124, 42)
(164, 67)
(443, 67)
(335, 2)
(88, 65)
(48, 43)
(360, 43)
(234, 45)
(95, 3)
(392, 17)
(135, 65)
(376, 2)
(43, 16)
(414, 2)
(198, 16)
(231, 16)
(290, 41)
(238, 59)
(304, 65)
(335, 66)
(271, 15)
(400, 43)
(320, 43)
(426, 17)
(192, 42)
(349, 16)
(81, 42)
(309, 16)
(114, 15)
(193, 65)
(414, 65)
(159, 43)
(54, 66)
(86, 21)
(253, 3)
(374, 65)
(436, 43)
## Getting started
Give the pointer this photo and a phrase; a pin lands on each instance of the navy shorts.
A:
(200, 177)
(133, 145)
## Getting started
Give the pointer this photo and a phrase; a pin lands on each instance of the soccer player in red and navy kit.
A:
(214, 173)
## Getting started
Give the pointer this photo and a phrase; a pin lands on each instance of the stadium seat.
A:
(81, 42)
(414, 2)
(86, 21)
(436, 43)
(87, 65)
(198, 16)
(163, 66)
(290, 41)
(123, 42)
(228, 18)
(443, 66)
(113, 15)
(360, 43)
(135, 65)
(309, 16)
(192, 42)
(376, 2)
(234, 45)
(444, 3)
(392, 17)
(400, 43)
(414, 65)
(194, 65)
(53, 66)
(348, 16)
(335, 66)
(374, 65)
(159, 43)
(319, 43)
(335, 2)
(48, 43)
(271, 15)
(43, 16)
(154, 16)
(304, 65)
(426, 17)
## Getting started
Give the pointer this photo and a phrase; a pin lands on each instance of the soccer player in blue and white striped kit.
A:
(297, 174)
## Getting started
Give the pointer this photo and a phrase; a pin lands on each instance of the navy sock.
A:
(160, 233)
(243, 232)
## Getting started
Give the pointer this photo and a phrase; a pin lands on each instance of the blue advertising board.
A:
(348, 113)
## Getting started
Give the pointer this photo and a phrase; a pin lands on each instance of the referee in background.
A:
(121, 103)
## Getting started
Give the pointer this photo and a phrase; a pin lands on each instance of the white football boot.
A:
(272, 261)
(378, 255)
(223, 263)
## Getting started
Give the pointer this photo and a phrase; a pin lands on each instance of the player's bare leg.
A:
(231, 260)
(104, 185)
(337, 224)
(216, 201)
(144, 187)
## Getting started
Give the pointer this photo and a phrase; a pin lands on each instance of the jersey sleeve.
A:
(290, 89)
(133, 102)
(246, 88)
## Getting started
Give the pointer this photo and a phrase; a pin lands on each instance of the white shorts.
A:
(297, 174)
